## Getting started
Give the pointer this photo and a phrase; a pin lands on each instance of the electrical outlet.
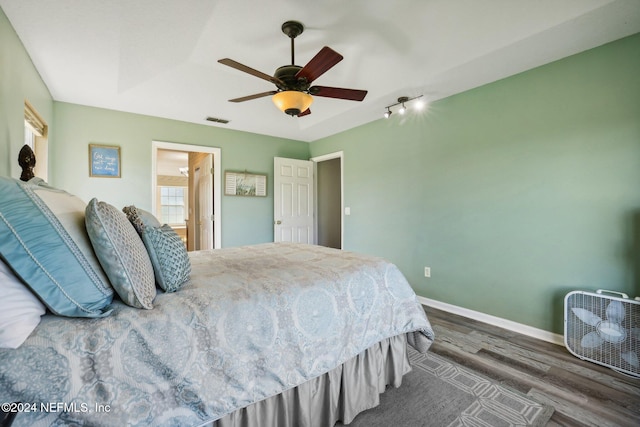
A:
(427, 272)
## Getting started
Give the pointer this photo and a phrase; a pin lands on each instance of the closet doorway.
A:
(186, 192)
(329, 200)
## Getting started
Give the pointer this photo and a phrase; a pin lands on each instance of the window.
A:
(172, 205)
(35, 136)
(33, 125)
(29, 136)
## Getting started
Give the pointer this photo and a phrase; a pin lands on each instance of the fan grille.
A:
(604, 330)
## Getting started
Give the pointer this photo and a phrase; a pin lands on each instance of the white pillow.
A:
(20, 310)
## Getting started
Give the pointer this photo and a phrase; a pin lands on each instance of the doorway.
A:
(329, 224)
(197, 191)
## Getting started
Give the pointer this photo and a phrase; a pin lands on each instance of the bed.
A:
(272, 334)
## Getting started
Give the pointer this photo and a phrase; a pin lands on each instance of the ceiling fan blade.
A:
(241, 67)
(319, 64)
(254, 96)
(338, 92)
(305, 113)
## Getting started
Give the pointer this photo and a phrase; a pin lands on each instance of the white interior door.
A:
(293, 200)
(204, 204)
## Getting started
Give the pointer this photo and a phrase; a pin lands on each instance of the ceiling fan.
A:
(294, 92)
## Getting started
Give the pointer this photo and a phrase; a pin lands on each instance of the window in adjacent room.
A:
(172, 205)
(35, 136)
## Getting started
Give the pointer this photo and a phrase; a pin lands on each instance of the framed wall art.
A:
(245, 184)
(104, 161)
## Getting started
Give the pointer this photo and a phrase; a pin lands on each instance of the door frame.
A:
(217, 180)
(316, 160)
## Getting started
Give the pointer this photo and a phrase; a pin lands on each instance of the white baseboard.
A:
(495, 321)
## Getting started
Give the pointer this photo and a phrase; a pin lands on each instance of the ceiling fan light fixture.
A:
(292, 102)
(294, 92)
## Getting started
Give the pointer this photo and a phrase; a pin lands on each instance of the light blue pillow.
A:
(46, 245)
(121, 253)
(169, 257)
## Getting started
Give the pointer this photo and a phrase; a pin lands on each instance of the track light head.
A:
(387, 113)
(402, 100)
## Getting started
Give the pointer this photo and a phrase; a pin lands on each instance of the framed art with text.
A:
(104, 161)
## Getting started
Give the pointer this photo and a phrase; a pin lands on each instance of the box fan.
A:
(604, 329)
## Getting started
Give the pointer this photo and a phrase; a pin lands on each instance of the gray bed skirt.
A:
(338, 395)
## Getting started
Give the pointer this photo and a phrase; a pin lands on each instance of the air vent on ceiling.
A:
(217, 120)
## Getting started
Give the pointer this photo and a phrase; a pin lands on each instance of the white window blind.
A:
(33, 121)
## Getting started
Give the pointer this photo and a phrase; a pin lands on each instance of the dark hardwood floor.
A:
(582, 393)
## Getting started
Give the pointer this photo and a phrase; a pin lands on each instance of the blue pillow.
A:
(45, 243)
(169, 257)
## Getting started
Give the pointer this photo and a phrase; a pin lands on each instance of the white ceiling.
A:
(159, 57)
(169, 162)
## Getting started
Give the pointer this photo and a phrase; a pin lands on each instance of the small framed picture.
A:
(245, 184)
(104, 161)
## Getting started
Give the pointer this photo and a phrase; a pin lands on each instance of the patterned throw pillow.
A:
(121, 253)
(140, 218)
(168, 255)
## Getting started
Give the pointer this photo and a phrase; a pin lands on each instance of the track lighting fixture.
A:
(401, 101)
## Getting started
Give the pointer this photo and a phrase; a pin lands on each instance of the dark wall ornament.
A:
(27, 161)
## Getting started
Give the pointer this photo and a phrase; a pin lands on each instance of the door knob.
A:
(278, 222)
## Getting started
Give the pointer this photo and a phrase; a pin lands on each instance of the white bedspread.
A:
(252, 322)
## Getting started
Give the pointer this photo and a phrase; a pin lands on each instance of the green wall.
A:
(513, 193)
(245, 220)
(19, 81)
